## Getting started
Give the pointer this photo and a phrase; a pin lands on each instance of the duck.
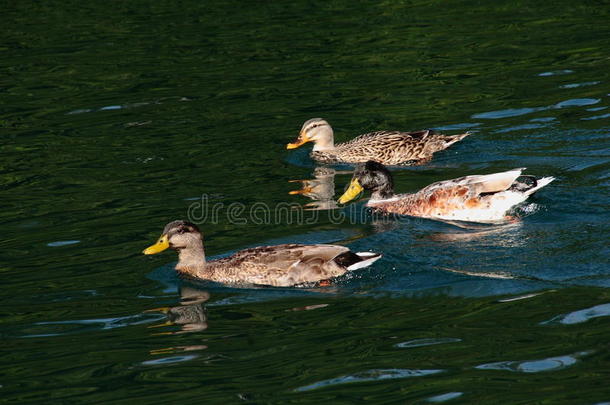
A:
(480, 198)
(393, 148)
(284, 265)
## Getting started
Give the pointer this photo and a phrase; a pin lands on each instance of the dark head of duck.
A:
(371, 176)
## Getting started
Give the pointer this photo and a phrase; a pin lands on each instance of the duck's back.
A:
(279, 265)
(387, 147)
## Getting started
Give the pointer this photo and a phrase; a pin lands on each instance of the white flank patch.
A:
(500, 204)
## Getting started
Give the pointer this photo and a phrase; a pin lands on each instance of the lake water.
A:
(118, 117)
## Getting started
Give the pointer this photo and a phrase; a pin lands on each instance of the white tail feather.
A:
(365, 262)
(367, 254)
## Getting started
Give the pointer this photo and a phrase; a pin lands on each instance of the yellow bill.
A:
(160, 246)
(352, 192)
(302, 139)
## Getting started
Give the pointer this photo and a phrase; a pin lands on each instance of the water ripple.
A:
(596, 117)
(535, 366)
(63, 243)
(574, 85)
(580, 316)
(426, 342)
(577, 102)
(445, 397)
(520, 128)
(169, 360)
(370, 375)
(543, 119)
(455, 127)
(516, 112)
(523, 297)
(86, 325)
(556, 72)
(108, 108)
(510, 112)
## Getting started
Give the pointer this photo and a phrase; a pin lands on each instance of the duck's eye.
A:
(181, 230)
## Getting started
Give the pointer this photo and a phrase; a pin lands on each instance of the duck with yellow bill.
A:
(279, 265)
(479, 198)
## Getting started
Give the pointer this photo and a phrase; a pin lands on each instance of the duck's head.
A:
(371, 176)
(315, 130)
(177, 235)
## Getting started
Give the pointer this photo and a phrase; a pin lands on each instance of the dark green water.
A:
(116, 117)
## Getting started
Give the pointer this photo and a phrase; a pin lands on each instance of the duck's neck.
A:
(324, 143)
(191, 260)
(382, 193)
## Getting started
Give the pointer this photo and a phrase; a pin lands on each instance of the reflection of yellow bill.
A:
(302, 139)
(352, 192)
(160, 246)
(304, 190)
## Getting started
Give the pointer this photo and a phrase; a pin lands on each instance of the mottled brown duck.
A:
(279, 265)
(388, 147)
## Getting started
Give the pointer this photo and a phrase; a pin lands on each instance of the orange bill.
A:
(301, 140)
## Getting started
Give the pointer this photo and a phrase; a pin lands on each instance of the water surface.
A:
(116, 118)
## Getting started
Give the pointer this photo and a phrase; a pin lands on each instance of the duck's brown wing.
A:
(282, 265)
(387, 147)
(394, 147)
(385, 138)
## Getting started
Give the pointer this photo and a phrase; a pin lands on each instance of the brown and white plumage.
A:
(279, 265)
(479, 198)
(387, 147)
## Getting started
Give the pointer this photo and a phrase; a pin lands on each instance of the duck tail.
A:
(354, 261)
(528, 185)
(366, 259)
(451, 139)
(541, 182)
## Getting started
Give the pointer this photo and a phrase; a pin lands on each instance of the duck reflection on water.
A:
(321, 189)
(191, 315)
(507, 235)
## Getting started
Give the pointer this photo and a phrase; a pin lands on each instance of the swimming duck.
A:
(387, 147)
(280, 265)
(481, 198)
